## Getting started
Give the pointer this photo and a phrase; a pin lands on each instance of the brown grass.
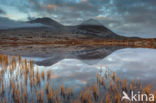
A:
(43, 75)
(106, 90)
(48, 74)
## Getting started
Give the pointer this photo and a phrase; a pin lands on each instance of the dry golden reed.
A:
(27, 85)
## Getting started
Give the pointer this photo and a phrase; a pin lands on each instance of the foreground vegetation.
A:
(20, 82)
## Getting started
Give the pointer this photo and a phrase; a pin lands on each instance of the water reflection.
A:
(78, 65)
(77, 69)
(127, 63)
(134, 63)
(47, 55)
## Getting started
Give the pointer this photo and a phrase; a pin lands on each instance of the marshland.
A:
(81, 79)
(85, 63)
(77, 51)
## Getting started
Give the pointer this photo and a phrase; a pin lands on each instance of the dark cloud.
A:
(137, 17)
(122, 16)
(2, 12)
(137, 11)
(6, 23)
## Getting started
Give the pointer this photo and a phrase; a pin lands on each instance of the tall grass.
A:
(27, 85)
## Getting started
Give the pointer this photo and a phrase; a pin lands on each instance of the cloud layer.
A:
(10, 24)
(1, 11)
(127, 17)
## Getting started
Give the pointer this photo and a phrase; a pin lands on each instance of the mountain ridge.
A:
(87, 28)
(91, 22)
(46, 21)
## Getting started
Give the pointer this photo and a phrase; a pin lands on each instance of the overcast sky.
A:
(127, 17)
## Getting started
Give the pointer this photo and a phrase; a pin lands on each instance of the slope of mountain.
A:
(91, 22)
(95, 28)
(89, 28)
(46, 21)
(49, 24)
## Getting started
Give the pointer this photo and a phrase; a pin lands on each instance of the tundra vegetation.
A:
(21, 83)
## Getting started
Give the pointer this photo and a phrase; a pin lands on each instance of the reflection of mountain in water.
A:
(84, 55)
(53, 54)
(95, 55)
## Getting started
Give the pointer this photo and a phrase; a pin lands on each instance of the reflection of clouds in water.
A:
(134, 63)
(72, 71)
(53, 76)
(34, 58)
(130, 63)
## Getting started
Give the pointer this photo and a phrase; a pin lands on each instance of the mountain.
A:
(50, 27)
(91, 22)
(95, 28)
(46, 21)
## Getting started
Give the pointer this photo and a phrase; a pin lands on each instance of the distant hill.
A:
(95, 28)
(46, 21)
(50, 27)
(91, 22)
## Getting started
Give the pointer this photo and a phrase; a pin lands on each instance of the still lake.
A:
(130, 63)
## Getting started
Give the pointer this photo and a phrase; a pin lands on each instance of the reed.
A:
(19, 60)
(117, 98)
(103, 82)
(124, 85)
(57, 100)
(85, 96)
(113, 76)
(13, 86)
(147, 89)
(43, 75)
(48, 75)
(68, 94)
(131, 87)
(90, 97)
(26, 66)
(102, 100)
(108, 99)
(38, 77)
(49, 95)
(54, 94)
(25, 77)
(29, 92)
(111, 85)
(118, 81)
(63, 90)
(71, 91)
(4, 61)
(47, 88)
(98, 77)
(4, 101)
(115, 88)
(34, 81)
(17, 95)
(31, 63)
(1, 58)
(25, 94)
(13, 62)
(31, 82)
(154, 96)
(2, 89)
(81, 94)
(95, 92)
